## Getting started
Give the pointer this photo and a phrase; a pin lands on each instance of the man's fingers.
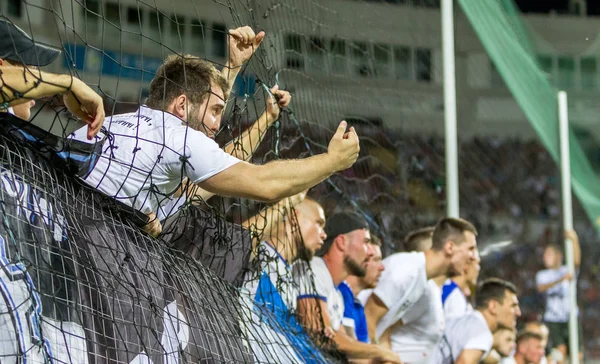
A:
(258, 39)
(236, 34)
(341, 129)
(274, 89)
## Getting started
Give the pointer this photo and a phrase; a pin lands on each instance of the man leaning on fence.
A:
(152, 150)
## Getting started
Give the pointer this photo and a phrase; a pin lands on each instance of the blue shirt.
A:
(354, 313)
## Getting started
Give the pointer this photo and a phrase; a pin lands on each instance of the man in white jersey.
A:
(553, 282)
(541, 329)
(468, 338)
(415, 337)
(530, 349)
(320, 304)
(457, 290)
(405, 278)
(151, 151)
(354, 321)
(271, 286)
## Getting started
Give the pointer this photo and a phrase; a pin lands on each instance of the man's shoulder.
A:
(405, 262)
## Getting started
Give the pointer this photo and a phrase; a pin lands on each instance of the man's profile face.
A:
(311, 221)
(532, 350)
(465, 253)
(508, 311)
(374, 268)
(206, 118)
(504, 341)
(357, 251)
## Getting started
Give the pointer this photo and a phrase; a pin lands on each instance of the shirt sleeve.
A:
(393, 286)
(201, 155)
(310, 282)
(480, 338)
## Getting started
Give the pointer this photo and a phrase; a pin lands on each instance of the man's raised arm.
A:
(20, 84)
(243, 42)
(283, 178)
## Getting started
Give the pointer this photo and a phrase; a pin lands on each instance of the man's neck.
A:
(336, 267)
(520, 359)
(283, 247)
(490, 320)
(355, 284)
(436, 264)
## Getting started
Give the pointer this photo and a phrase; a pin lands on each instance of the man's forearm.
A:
(20, 83)
(288, 177)
(244, 147)
(230, 74)
(544, 287)
(355, 349)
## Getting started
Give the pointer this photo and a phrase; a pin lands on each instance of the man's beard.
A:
(354, 268)
(303, 252)
(196, 123)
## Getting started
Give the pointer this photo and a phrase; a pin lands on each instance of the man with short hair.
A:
(529, 349)
(415, 337)
(270, 285)
(320, 303)
(405, 279)
(23, 83)
(469, 338)
(354, 321)
(503, 347)
(154, 149)
(553, 282)
(457, 290)
(541, 329)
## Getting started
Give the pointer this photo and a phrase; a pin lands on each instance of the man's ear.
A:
(180, 107)
(340, 241)
(493, 307)
(449, 247)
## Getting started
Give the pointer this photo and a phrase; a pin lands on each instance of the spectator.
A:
(406, 275)
(553, 282)
(321, 307)
(155, 148)
(271, 286)
(23, 82)
(354, 321)
(457, 290)
(530, 349)
(469, 338)
(415, 337)
(541, 329)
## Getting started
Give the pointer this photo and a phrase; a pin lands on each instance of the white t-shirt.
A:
(558, 306)
(423, 326)
(402, 283)
(151, 153)
(316, 282)
(466, 332)
(509, 360)
(280, 281)
(454, 300)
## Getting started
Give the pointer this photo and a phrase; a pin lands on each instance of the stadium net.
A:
(87, 284)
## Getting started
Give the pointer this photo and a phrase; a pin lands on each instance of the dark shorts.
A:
(559, 335)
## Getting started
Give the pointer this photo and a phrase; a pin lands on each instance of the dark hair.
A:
(375, 240)
(451, 229)
(526, 335)
(493, 289)
(187, 75)
(414, 240)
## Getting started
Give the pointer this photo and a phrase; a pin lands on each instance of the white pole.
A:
(567, 203)
(450, 109)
